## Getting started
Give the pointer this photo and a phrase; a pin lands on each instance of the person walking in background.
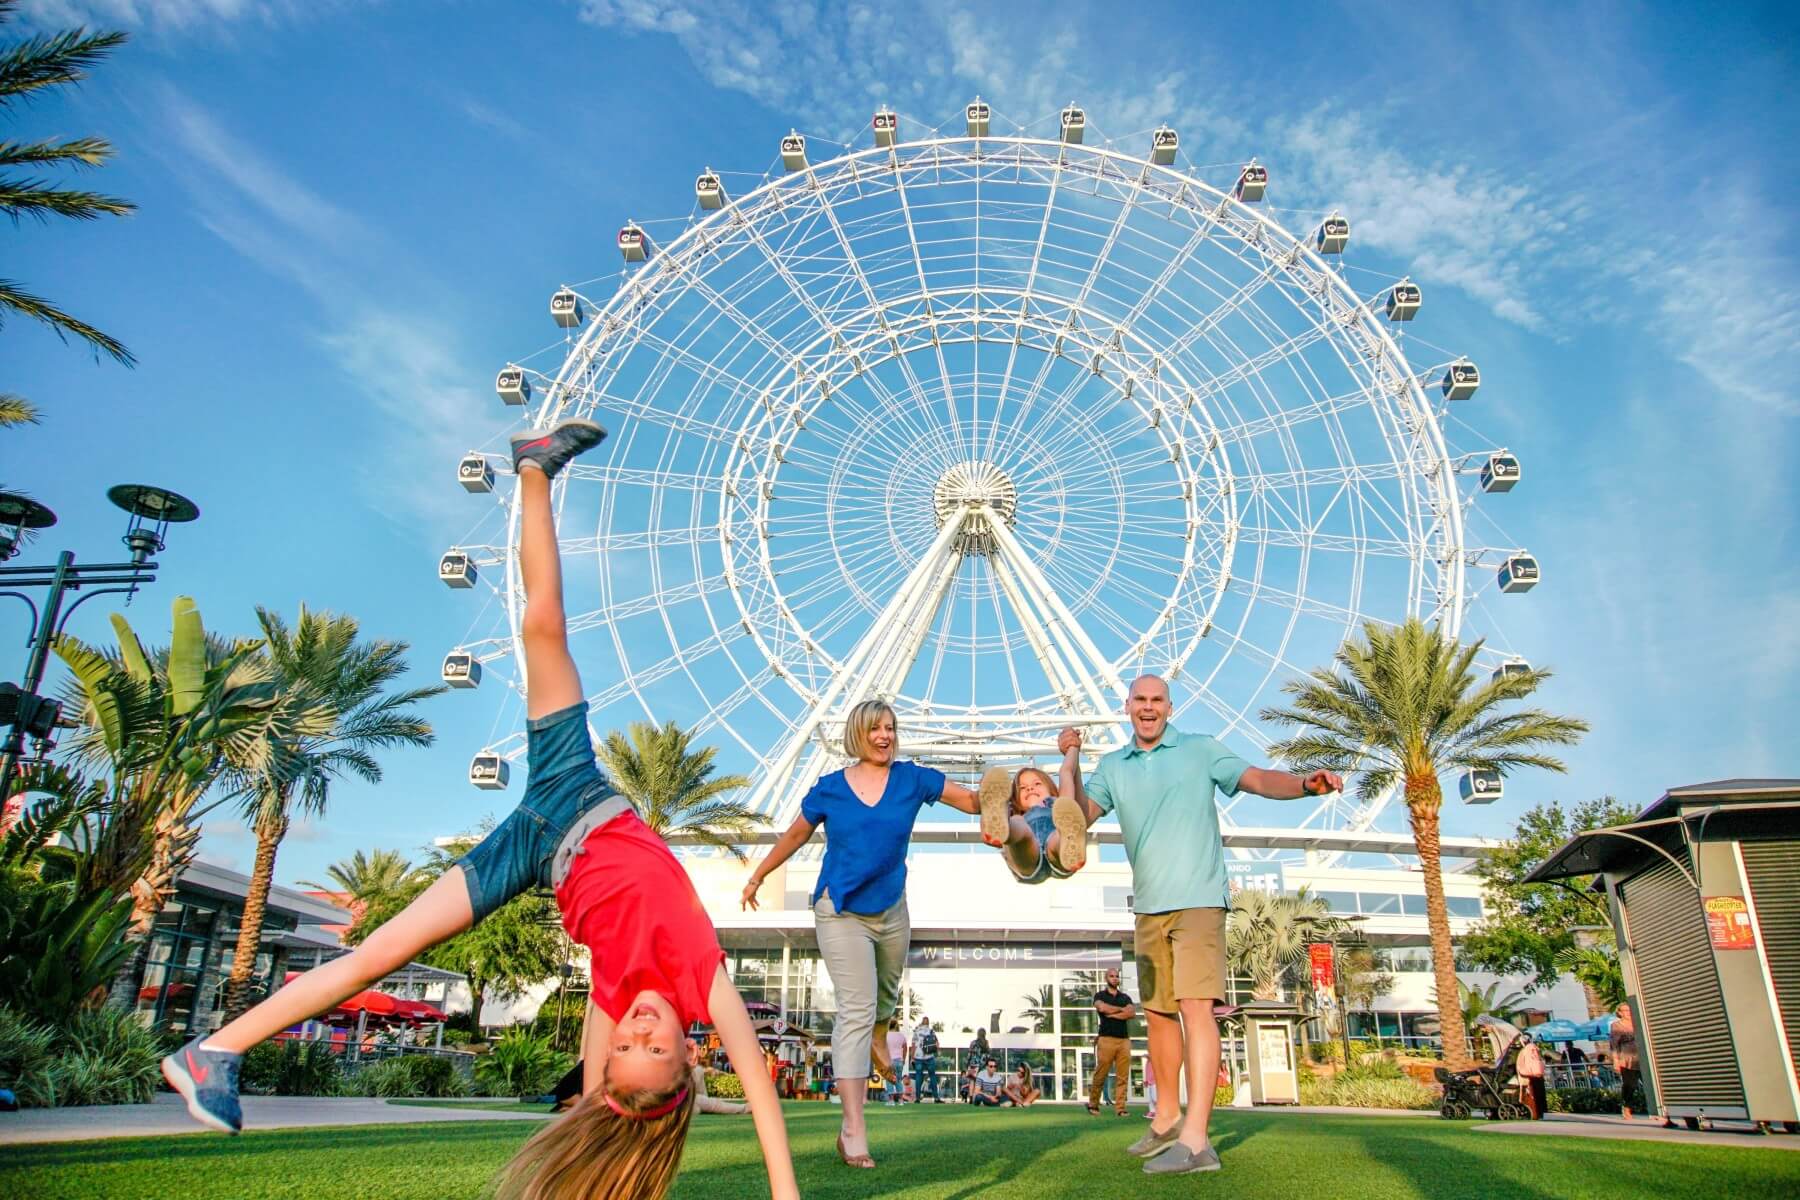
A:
(924, 1062)
(1161, 785)
(1112, 1045)
(978, 1049)
(1622, 1044)
(859, 904)
(1530, 1067)
(896, 1054)
(1149, 1088)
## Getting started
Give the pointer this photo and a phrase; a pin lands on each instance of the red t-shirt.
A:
(629, 902)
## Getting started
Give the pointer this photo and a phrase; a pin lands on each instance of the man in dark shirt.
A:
(1112, 1048)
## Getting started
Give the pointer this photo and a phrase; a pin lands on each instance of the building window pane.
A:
(1412, 906)
(1379, 902)
(1463, 906)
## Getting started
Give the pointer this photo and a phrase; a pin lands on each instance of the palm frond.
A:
(15, 299)
(51, 60)
(16, 410)
(76, 152)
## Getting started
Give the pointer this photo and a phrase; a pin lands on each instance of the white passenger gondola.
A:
(978, 114)
(793, 151)
(633, 245)
(511, 384)
(1511, 667)
(1500, 472)
(1163, 144)
(1074, 124)
(1252, 182)
(474, 473)
(1482, 786)
(457, 569)
(1519, 573)
(709, 191)
(1403, 301)
(1333, 235)
(462, 669)
(565, 308)
(489, 772)
(1460, 380)
(886, 125)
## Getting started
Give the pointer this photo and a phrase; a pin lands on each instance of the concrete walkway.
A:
(167, 1114)
(1643, 1129)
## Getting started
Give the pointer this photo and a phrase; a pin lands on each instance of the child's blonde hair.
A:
(596, 1151)
(862, 721)
(1018, 805)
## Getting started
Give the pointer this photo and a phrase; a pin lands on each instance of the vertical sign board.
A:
(1728, 923)
(1323, 979)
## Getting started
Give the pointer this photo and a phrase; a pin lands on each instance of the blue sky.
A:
(351, 213)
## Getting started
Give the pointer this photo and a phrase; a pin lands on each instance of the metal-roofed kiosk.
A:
(1704, 889)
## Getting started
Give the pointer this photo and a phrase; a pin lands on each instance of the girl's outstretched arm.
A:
(1068, 776)
(732, 1023)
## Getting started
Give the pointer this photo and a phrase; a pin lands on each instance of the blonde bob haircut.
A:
(862, 721)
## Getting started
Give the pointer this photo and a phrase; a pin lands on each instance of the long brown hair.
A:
(594, 1152)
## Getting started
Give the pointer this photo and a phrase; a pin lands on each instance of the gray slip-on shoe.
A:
(1153, 1141)
(1179, 1160)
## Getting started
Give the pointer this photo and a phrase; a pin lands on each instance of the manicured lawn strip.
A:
(505, 1106)
(928, 1154)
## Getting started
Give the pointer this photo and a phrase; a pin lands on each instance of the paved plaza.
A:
(168, 1115)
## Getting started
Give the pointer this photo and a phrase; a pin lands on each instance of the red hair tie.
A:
(661, 1110)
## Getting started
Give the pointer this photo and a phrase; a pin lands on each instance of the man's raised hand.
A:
(1321, 783)
(1069, 739)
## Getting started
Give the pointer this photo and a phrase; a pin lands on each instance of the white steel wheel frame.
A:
(812, 475)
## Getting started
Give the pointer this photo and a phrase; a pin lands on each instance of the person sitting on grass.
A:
(1021, 1089)
(990, 1087)
(657, 964)
(1038, 825)
(965, 1090)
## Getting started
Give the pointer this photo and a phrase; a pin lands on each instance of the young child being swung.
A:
(657, 966)
(1037, 825)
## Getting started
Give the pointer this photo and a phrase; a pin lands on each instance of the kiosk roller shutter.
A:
(1696, 1063)
(1774, 872)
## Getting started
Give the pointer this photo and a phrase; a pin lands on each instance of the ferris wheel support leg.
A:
(1064, 627)
(923, 582)
(1061, 676)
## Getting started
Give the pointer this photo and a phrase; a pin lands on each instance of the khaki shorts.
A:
(1181, 956)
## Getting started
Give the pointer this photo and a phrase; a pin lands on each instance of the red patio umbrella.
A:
(376, 1004)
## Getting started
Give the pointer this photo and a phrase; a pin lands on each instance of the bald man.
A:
(1162, 786)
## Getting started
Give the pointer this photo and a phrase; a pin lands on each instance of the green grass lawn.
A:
(929, 1153)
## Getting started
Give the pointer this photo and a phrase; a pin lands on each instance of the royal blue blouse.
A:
(864, 870)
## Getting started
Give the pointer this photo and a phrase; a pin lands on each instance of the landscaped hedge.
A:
(292, 1068)
(723, 1085)
(1582, 1100)
(408, 1075)
(101, 1056)
(1348, 1090)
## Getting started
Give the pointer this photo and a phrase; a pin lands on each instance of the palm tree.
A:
(332, 690)
(1596, 968)
(28, 69)
(1403, 708)
(1268, 933)
(672, 787)
(364, 877)
(1040, 1009)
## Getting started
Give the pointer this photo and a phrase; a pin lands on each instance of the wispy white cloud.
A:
(171, 15)
(405, 367)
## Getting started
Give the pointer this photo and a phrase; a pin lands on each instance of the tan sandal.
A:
(1071, 833)
(995, 796)
(861, 1162)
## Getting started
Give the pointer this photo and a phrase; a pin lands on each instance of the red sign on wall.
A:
(1320, 953)
(1728, 923)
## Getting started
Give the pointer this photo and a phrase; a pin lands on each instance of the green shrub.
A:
(302, 1068)
(520, 1064)
(457, 1037)
(1582, 1100)
(262, 1065)
(408, 1075)
(1374, 1068)
(724, 1085)
(102, 1056)
(1342, 1092)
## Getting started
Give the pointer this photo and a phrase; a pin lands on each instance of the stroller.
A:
(1487, 1089)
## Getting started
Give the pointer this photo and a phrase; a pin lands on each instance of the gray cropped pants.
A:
(865, 956)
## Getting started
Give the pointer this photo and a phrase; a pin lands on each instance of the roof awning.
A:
(1619, 848)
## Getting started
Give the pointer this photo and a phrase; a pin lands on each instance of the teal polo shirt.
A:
(1164, 800)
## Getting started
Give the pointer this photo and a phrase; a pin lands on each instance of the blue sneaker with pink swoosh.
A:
(208, 1081)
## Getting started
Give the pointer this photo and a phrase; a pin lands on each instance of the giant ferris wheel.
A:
(984, 420)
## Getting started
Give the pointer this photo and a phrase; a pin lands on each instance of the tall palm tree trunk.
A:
(1423, 800)
(256, 903)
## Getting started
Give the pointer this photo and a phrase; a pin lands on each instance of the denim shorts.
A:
(566, 798)
(1042, 824)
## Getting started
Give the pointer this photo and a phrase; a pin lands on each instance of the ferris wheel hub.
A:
(970, 485)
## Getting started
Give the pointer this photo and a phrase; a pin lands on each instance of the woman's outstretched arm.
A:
(783, 849)
(732, 1023)
(960, 798)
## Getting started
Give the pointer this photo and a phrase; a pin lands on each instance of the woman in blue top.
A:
(859, 905)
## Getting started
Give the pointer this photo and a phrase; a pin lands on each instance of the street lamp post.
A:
(23, 713)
